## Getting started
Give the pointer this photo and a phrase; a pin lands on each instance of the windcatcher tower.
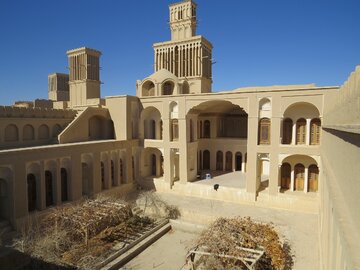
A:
(84, 77)
(187, 56)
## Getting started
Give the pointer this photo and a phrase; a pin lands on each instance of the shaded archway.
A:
(238, 161)
(167, 88)
(148, 89)
(151, 123)
(285, 176)
(49, 197)
(206, 160)
(151, 162)
(64, 184)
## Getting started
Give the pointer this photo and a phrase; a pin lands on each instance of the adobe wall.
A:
(340, 150)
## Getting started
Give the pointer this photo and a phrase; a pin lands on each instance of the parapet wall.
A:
(344, 108)
(21, 112)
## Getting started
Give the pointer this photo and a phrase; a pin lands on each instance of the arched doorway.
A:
(64, 185)
(238, 161)
(285, 176)
(49, 188)
(206, 160)
(299, 177)
(219, 161)
(228, 161)
(4, 195)
(31, 192)
(313, 178)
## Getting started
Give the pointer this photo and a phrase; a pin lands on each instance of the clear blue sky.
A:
(256, 42)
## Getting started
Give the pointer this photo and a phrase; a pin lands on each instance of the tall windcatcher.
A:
(187, 55)
(84, 77)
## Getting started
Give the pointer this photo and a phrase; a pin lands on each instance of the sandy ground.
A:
(298, 229)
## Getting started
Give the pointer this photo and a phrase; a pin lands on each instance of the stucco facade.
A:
(295, 145)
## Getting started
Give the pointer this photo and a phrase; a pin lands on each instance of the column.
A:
(308, 121)
(306, 180)
(292, 179)
(179, 61)
(224, 160)
(293, 137)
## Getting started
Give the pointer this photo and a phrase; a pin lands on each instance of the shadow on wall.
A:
(352, 138)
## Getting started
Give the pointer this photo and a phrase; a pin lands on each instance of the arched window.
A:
(301, 131)
(28, 133)
(219, 161)
(102, 168)
(285, 176)
(64, 185)
(44, 132)
(31, 192)
(315, 127)
(287, 131)
(168, 88)
(11, 133)
(299, 176)
(264, 131)
(148, 89)
(228, 161)
(313, 178)
(206, 160)
(207, 127)
(49, 188)
(112, 169)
